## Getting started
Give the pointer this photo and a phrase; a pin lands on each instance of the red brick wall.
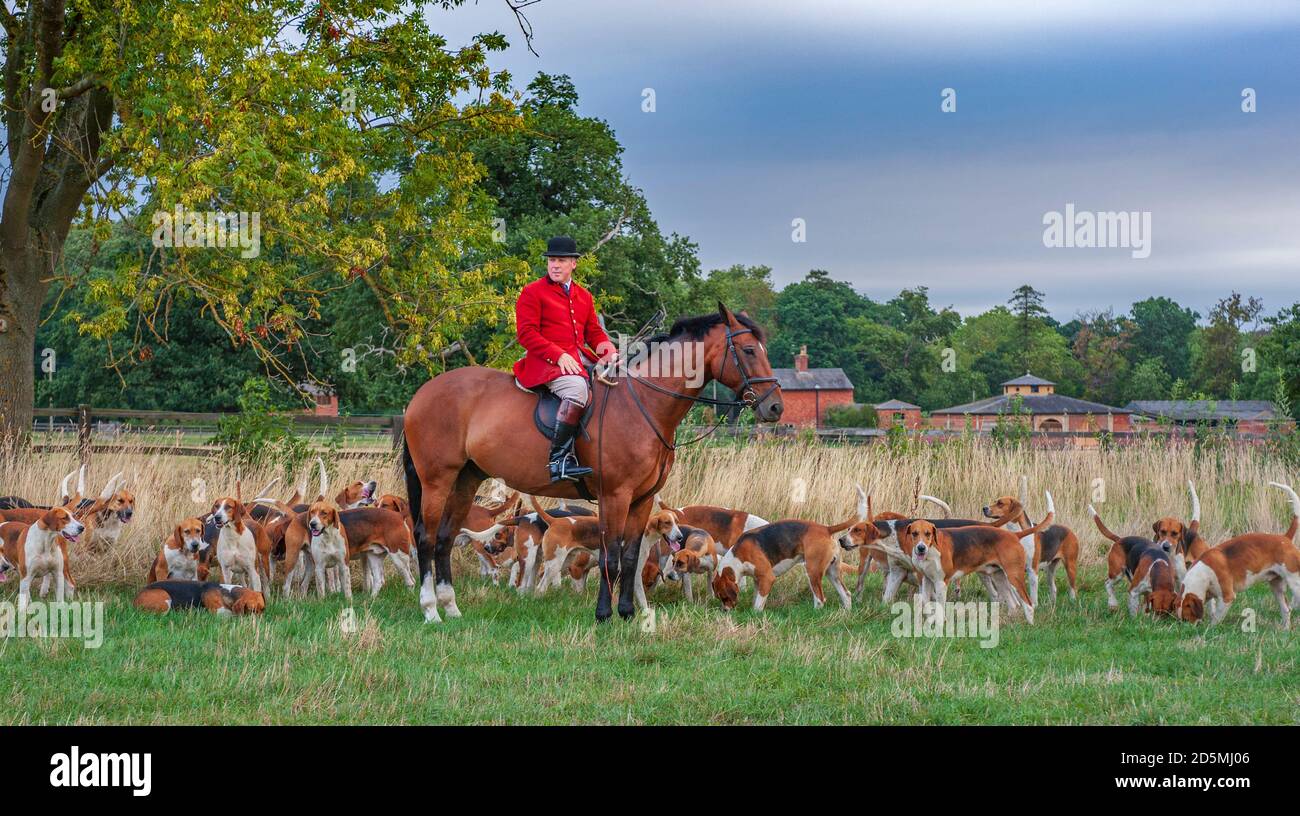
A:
(799, 405)
(1078, 422)
(911, 418)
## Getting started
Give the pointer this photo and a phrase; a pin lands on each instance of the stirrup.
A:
(566, 468)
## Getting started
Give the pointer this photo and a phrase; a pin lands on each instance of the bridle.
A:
(748, 396)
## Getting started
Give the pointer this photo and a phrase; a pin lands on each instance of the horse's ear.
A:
(725, 312)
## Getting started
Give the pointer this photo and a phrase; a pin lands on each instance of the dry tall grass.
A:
(775, 480)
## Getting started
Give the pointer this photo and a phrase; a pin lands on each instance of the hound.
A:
(529, 532)
(564, 535)
(895, 559)
(944, 555)
(480, 518)
(329, 546)
(27, 516)
(723, 523)
(242, 544)
(1184, 539)
(372, 533)
(765, 553)
(9, 533)
(220, 599)
(182, 554)
(661, 537)
(357, 494)
(1053, 547)
(698, 555)
(41, 550)
(495, 549)
(106, 518)
(1240, 562)
(1123, 559)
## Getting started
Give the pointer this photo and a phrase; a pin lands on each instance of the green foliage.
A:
(851, 416)
(260, 436)
(1149, 381)
(1013, 426)
(1162, 330)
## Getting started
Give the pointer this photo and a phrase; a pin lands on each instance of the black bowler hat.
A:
(561, 246)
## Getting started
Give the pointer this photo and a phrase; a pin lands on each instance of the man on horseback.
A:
(555, 321)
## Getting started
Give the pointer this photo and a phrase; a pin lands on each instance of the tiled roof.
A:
(897, 405)
(1034, 404)
(1191, 410)
(1029, 379)
(824, 379)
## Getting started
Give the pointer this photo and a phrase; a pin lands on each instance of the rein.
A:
(749, 397)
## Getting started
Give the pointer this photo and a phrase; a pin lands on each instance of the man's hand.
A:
(609, 359)
(569, 365)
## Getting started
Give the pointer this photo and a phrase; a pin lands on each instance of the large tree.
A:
(1162, 330)
(345, 130)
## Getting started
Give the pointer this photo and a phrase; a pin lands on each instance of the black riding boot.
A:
(564, 463)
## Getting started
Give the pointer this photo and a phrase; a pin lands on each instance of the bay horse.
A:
(471, 423)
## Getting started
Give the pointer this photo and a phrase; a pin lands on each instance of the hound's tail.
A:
(505, 504)
(542, 514)
(1295, 508)
(1096, 519)
(1047, 519)
(943, 505)
(277, 504)
(482, 536)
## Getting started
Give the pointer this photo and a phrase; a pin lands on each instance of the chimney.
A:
(801, 359)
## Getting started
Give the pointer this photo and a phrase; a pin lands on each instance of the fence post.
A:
(83, 435)
(398, 428)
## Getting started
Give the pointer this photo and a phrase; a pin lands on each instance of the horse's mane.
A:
(697, 327)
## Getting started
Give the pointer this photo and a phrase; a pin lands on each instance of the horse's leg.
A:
(453, 517)
(433, 492)
(613, 515)
(635, 551)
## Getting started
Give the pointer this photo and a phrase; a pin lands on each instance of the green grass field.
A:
(529, 660)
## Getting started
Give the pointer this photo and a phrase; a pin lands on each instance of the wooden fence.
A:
(91, 430)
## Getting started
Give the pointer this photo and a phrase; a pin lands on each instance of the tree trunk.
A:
(21, 295)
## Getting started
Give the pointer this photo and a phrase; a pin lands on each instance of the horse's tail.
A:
(413, 493)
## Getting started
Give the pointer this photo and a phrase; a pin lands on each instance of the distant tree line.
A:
(560, 172)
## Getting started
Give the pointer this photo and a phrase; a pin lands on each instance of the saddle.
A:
(548, 404)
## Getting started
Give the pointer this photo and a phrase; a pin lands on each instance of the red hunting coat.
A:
(549, 323)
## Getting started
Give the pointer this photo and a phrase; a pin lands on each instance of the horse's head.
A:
(740, 363)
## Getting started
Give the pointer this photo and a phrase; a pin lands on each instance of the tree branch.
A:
(79, 87)
(525, 25)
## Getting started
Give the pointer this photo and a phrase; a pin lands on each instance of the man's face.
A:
(560, 270)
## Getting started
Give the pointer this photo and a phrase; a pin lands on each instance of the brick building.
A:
(1048, 411)
(895, 412)
(1247, 416)
(807, 393)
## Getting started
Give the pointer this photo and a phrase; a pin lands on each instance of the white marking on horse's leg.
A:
(429, 600)
(447, 599)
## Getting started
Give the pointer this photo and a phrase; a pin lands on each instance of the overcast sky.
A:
(829, 111)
